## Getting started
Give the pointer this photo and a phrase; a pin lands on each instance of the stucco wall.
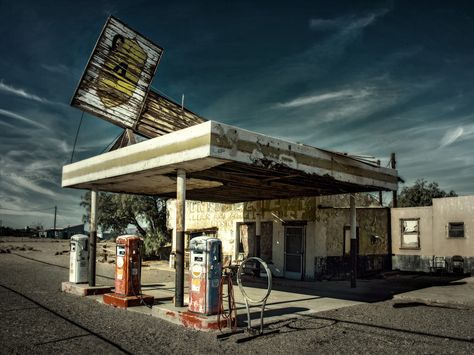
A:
(424, 214)
(434, 240)
(453, 209)
(202, 215)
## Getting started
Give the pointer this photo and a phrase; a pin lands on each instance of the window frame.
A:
(402, 234)
(456, 236)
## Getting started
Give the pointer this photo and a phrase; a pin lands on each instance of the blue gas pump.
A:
(205, 273)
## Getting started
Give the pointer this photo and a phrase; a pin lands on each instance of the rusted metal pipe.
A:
(180, 228)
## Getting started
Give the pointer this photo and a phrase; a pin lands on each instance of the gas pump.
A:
(78, 259)
(128, 265)
(205, 274)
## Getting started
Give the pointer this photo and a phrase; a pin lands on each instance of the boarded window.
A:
(410, 233)
(456, 230)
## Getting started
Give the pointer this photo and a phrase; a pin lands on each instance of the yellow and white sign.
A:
(116, 81)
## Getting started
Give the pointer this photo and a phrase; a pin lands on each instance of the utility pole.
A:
(380, 191)
(393, 164)
(54, 224)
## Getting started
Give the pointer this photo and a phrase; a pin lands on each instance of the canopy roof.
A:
(227, 164)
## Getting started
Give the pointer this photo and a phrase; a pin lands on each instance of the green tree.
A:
(421, 194)
(146, 213)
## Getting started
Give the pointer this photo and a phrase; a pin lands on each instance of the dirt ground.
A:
(40, 319)
(56, 252)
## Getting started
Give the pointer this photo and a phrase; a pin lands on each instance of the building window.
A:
(410, 233)
(456, 230)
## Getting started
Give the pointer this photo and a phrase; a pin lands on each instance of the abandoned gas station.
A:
(220, 163)
(187, 158)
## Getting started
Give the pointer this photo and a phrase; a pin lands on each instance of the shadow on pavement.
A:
(367, 290)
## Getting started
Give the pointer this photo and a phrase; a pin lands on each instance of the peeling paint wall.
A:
(324, 219)
(205, 215)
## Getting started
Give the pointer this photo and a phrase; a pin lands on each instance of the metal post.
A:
(258, 234)
(353, 241)
(93, 238)
(258, 230)
(393, 164)
(380, 191)
(55, 213)
(180, 228)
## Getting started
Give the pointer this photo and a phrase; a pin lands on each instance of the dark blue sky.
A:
(365, 77)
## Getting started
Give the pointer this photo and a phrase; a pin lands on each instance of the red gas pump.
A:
(128, 265)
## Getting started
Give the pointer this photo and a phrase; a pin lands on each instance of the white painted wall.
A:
(434, 222)
(425, 214)
(453, 209)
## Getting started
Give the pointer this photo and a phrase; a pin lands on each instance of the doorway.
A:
(294, 251)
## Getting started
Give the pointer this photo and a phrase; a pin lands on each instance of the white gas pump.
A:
(79, 255)
(205, 274)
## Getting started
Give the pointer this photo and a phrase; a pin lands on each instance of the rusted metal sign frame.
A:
(95, 68)
(162, 115)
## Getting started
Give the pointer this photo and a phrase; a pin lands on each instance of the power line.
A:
(77, 134)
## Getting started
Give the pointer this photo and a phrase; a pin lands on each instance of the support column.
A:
(258, 229)
(180, 228)
(258, 233)
(353, 241)
(93, 238)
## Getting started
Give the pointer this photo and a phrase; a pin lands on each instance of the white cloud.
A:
(346, 23)
(21, 93)
(7, 124)
(57, 68)
(22, 118)
(30, 185)
(336, 95)
(457, 134)
(451, 136)
(324, 24)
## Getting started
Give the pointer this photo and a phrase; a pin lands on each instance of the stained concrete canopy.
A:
(227, 164)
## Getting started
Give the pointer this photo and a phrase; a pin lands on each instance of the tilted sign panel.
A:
(161, 116)
(115, 83)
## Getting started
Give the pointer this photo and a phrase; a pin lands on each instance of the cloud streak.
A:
(22, 118)
(451, 136)
(314, 99)
(30, 185)
(58, 68)
(346, 23)
(21, 93)
(456, 134)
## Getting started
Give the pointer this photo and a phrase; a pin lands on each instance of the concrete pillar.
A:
(93, 238)
(180, 228)
(353, 241)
